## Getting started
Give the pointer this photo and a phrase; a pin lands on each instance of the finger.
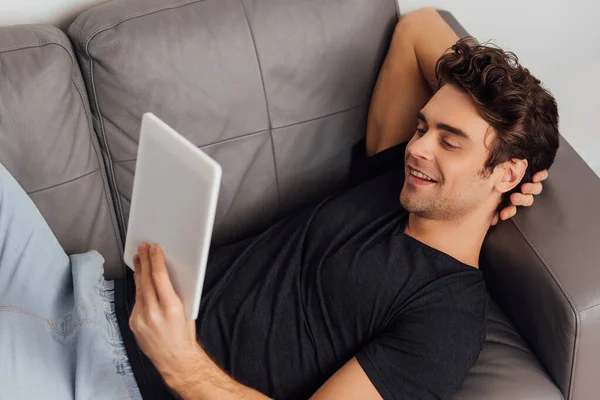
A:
(519, 199)
(527, 200)
(508, 212)
(532, 188)
(160, 276)
(540, 176)
(516, 199)
(147, 286)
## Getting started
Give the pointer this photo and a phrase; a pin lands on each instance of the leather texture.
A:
(241, 80)
(47, 142)
(506, 367)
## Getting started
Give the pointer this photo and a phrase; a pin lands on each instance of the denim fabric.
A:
(59, 337)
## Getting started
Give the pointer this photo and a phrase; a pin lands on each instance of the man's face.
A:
(449, 147)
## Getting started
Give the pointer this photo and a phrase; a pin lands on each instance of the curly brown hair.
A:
(523, 114)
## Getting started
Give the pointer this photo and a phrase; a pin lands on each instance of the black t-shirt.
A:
(283, 311)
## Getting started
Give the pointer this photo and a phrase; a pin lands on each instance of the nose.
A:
(422, 147)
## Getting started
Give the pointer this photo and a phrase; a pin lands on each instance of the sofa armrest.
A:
(542, 267)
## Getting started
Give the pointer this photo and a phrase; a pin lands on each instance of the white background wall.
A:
(56, 12)
(558, 40)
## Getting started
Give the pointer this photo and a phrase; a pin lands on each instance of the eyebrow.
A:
(445, 127)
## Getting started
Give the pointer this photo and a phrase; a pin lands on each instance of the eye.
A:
(449, 145)
(420, 132)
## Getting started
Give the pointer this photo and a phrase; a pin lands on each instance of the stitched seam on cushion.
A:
(39, 43)
(124, 161)
(128, 198)
(125, 198)
(105, 187)
(109, 167)
(262, 81)
(83, 94)
(137, 15)
(100, 159)
(323, 116)
(590, 307)
(120, 131)
(244, 136)
(63, 183)
(204, 146)
(101, 163)
(568, 297)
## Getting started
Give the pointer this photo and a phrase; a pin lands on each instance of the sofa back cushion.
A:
(276, 94)
(47, 142)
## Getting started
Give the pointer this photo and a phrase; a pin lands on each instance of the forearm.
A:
(203, 379)
(407, 78)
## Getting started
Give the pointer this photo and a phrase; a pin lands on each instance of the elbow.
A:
(418, 19)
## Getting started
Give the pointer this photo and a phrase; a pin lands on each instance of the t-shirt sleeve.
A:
(364, 167)
(427, 353)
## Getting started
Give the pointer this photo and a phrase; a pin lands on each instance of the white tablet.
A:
(175, 192)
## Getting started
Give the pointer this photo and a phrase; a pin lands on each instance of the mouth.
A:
(419, 178)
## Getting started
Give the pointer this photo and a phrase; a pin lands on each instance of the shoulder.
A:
(439, 280)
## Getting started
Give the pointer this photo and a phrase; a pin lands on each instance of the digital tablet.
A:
(173, 204)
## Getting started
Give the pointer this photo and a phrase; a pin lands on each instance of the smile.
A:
(420, 175)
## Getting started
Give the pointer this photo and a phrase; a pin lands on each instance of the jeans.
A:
(59, 337)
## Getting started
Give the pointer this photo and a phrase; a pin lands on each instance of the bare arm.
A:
(203, 379)
(406, 78)
(349, 383)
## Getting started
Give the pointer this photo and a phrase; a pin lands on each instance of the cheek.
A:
(459, 176)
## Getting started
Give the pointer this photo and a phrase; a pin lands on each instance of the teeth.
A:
(420, 175)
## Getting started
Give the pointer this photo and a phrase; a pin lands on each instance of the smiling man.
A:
(374, 292)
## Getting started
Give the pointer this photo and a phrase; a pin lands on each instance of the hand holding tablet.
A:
(174, 200)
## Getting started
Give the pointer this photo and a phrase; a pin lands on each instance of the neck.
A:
(460, 238)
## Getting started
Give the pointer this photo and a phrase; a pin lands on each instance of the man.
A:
(375, 292)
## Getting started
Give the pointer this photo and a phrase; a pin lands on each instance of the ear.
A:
(512, 173)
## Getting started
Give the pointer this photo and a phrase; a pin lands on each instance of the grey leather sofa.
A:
(278, 91)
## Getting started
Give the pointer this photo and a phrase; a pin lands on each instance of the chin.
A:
(408, 202)
(411, 203)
